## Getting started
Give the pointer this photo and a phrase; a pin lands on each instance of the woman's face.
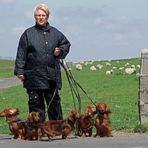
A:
(41, 17)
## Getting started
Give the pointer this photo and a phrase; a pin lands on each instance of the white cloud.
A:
(18, 30)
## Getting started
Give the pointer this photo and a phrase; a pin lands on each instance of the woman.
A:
(37, 64)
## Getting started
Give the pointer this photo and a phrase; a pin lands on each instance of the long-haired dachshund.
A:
(102, 121)
(32, 125)
(59, 127)
(21, 129)
(16, 125)
(11, 119)
(86, 122)
(28, 129)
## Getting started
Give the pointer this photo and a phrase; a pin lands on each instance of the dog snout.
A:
(101, 111)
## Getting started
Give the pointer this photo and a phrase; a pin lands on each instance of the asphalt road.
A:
(118, 141)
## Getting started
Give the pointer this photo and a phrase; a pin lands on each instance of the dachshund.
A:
(11, 119)
(86, 122)
(32, 125)
(63, 127)
(21, 129)
(28, 129)
(102, 121)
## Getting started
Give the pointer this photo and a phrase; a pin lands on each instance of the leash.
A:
(77, 85)
(73, 85)
(74, 91)
(55, 91)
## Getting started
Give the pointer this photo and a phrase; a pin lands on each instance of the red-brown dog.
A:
(22, 129)
(102, 121)
(11, 119)
(28, 129)
(32, 125)
(59, 127)
(86, 121)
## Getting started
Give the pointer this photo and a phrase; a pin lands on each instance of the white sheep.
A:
(109, 72)
(133, 66)
(114, 67)
(130, 71)
(93, 68)
(78, 66)
(99, 66)
(121, 68)
(108, 64)
(138, 66)
(127, 64)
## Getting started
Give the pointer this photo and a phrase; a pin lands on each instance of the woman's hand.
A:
(21, 77)
(57, 51)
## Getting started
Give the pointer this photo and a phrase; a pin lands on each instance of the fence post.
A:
(143, 88)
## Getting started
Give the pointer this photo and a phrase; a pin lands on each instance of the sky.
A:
(96, 29)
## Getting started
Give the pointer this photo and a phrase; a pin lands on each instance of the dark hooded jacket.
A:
(35, 58)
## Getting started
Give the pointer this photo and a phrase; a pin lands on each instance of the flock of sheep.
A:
(126, 69)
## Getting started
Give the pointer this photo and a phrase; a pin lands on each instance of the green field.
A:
(119, 90)
(6, 68)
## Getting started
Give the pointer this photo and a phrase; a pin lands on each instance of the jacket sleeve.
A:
(64, 45)
(21, 55)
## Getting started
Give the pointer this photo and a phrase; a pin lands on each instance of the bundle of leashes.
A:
(74, 86)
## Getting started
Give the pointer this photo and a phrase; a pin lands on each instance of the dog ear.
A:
(2, 114)
(30, 118)
(108, 110)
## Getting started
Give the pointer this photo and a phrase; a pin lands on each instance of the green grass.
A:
(6, 68)
(119, 90)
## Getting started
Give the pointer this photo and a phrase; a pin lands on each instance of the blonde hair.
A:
(42, 7)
